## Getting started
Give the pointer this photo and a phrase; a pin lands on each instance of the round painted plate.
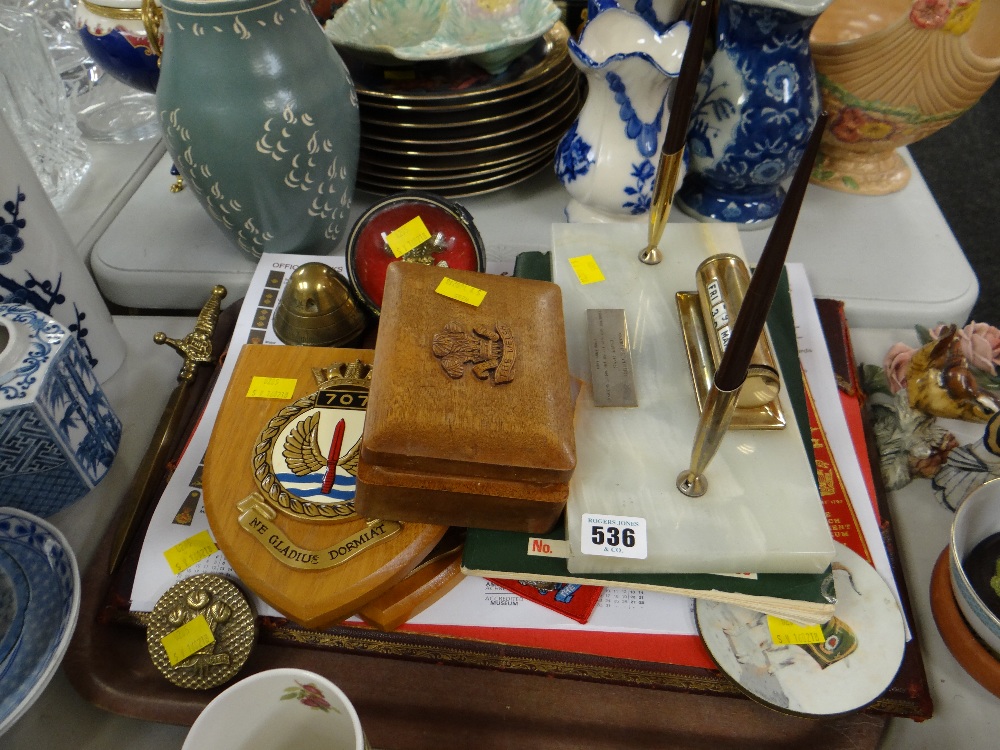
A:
(472, 153)
(463, 188)
(849, 670)
(372, 162)
(51, 604)
(486, 119)
(447, 137)
(498, 98)
(409, 174)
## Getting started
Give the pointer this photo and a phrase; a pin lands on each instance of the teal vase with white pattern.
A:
(261, 118)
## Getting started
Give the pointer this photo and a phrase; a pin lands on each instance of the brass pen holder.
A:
(707, 317)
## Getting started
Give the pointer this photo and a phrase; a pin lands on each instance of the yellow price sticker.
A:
(586, 269)
(403, 239)
(261, 387)
(188, 639)
(194, 549)
(787, 633)
(461, 292)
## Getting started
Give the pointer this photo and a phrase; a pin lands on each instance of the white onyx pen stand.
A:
(762, 512)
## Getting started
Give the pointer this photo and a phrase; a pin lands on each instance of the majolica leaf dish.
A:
(491, 34)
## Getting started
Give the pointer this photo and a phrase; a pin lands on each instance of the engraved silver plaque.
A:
(611, 371)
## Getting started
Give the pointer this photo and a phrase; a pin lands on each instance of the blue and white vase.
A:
(40, 267)
(660, 14)
(607, 160)
(58, 432)
(756, 104)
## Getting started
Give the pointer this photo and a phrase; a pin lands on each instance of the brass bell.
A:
(317, 308)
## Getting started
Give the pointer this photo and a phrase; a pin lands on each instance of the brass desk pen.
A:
(673, 142)
(718, 410)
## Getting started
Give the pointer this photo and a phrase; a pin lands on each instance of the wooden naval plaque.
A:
(471, 416)
(279, 486)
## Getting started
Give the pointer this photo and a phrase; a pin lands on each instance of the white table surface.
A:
(115, 174)
(892, 259)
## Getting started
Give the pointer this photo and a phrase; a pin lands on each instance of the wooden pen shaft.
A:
(764, 282)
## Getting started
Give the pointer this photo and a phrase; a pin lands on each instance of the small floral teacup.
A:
(279, 708)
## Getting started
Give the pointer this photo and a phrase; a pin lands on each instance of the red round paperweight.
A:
(414, 228)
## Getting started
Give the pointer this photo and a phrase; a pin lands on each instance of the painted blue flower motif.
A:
(781, 81)
(732, 212)
(41, 294)
(10, 240)
(645, 134)
(768, 172)
(643, 172)
(10, 243)
(574, 156)
(766, 23)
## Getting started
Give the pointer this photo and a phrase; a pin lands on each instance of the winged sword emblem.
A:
(303, 454)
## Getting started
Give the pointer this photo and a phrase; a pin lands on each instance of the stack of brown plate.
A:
(452, 129)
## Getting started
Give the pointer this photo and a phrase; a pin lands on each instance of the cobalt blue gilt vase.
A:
(756, 104)
(261, 118)
(114, 34)
(607, 160)
(58, 432)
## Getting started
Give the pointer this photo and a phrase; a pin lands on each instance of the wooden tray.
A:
(415, 691)
(407, 704)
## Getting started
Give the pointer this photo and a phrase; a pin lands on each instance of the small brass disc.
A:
(230, 618)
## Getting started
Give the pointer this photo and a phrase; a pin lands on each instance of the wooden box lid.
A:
(471, 391)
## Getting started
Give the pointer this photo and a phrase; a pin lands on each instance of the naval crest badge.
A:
(279, 485)
(305, 465)
(305, 460)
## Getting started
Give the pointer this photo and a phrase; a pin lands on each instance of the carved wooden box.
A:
(470, 417)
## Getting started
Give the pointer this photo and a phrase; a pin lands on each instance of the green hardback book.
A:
(515, 555)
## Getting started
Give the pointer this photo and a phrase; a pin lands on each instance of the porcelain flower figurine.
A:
(969, 466)
(951, 375)
(976, 346)
(940, 382)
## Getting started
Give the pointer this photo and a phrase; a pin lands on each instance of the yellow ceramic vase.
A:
(892, 72)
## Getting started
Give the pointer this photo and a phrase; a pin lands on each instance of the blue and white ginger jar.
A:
(58, 432)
